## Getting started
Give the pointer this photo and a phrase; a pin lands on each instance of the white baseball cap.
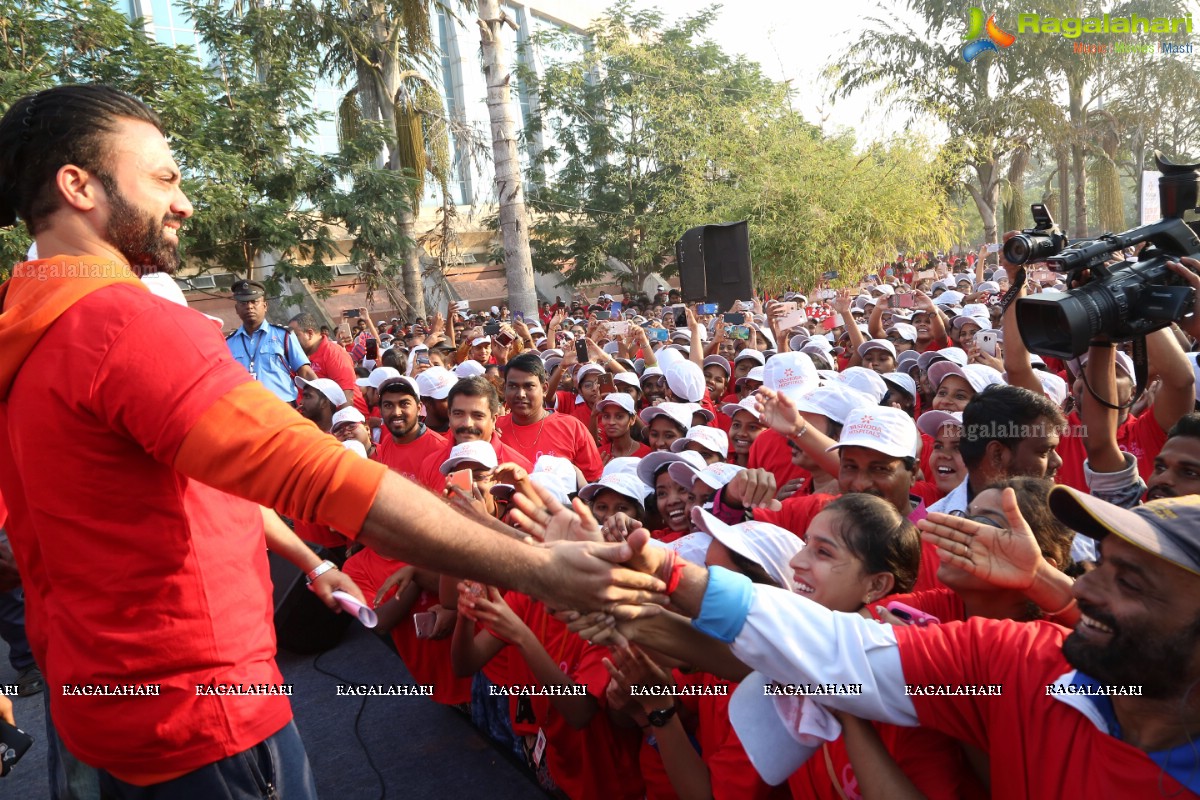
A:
(469, 369)
(834, 402)
(436, 383)
(669, 356)
(884, 429)
(713, 439)
(652, 463)
(755, 374)
(622, 465)
(618, 399)
(978, 376)
(555, 484)
(905, 331)
(378, 376)
(902, 381)
(585, 370)
(962, 319)
(747, 403)
(950, 297)
(680, 413)
(686, 381)
(391, 383)
(790, 373)
(750, 353)
(480, 340)
(350, 414)
(557, 465)
(627, 378)
(696, 408)
(884, 289)
(877, 344)
(650, 372)
(623, 483)
(931, 357)
(864, 380)
(327, 387)
(769, 546)
(476, 452)
(715, 475)
(1124, 364)
(931, 422)
(1054, 386)
(718, 361)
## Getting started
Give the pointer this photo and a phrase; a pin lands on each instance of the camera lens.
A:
(1018, 249)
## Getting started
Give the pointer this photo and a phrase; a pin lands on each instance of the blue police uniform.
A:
(272, 355)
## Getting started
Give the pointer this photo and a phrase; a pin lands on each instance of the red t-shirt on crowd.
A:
(1141, 436)
(333, 362)
(599, 760)
(606, 454)
(555, 435)
(771, 452)
(428, 660)
(431, 469)
(408, 458)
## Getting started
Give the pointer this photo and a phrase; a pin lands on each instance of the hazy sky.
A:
(794, 40)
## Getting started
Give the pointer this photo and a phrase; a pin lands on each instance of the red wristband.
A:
(676, 576)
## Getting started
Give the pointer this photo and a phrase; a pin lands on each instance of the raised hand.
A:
(777, 411)
(1006, 558)
(395, 584)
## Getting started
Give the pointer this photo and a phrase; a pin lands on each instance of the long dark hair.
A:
(876, 534)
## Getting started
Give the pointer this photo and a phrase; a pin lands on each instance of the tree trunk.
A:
(510, 187)
(986, 197)
(1064, 189)
(1078, 154)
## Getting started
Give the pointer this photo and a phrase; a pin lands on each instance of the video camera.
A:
(1125, 300)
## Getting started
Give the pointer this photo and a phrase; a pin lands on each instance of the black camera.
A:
(1038, 243)
(1124, 300)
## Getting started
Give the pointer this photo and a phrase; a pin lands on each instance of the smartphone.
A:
(792, 319)
(560, 338)
(1042, 276)
(913, 616)
(350, 313)
(827, 294)
(463, 479)
(606, 385)
(904, 300)
(736, 318)
(617, 329)
(994, 247)
(491, 328)
(581, 351)
(739, 332)
(462, 305)
(787, 306)
(616, 307)
(503, 339)
(831, 275)
(423, 621)
(986, 342)
(708, 308)
(422, 359)
(602, 315)
(680, 316)
(372, 349)
(657, 334)
(14, 743)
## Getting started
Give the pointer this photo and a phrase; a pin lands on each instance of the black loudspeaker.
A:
(714, 264)
(303, 624)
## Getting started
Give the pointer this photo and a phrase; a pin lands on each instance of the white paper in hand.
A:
(364, 613)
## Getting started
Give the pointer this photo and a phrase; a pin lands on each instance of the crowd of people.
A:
(855, 540)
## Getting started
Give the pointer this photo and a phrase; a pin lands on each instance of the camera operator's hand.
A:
(1189, 270)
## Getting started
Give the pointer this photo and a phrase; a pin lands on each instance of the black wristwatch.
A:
(661, 716)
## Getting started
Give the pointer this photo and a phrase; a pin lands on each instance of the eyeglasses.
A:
(982, 520)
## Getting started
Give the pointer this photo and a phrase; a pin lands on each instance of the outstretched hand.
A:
(1006, 558)
(777, 411)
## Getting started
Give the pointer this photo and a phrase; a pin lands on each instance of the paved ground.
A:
(404, 748)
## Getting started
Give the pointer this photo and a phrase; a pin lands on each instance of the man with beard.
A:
(269, 352)
(534, 431)
(320, 400)
(1107, 710)
(1177, 465)
(156, 505)
(473, 407)
(405, 442)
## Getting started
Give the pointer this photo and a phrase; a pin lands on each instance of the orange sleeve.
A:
(251, 445)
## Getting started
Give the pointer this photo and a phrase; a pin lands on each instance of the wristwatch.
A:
(319, 570)
(659, 717)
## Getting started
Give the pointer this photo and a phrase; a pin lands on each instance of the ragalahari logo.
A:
(976, 41)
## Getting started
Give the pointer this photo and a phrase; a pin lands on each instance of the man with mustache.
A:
(473, 407)
(1107, 709)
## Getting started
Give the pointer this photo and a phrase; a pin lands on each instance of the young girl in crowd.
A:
(617, 421)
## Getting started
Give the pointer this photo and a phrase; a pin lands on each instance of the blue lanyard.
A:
(254, 358)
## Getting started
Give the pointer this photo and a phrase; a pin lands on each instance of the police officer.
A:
(270, 352)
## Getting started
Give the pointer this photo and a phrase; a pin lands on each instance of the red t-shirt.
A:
(797, 512)
(607, 456)
(408, 458)
(1141, 436)
(1059, 752)
(333, 362)
(771, 452)
(597, 761)
(931, 760)
(555, 435)
(428, 660)
(943, 603)
(133, 572)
